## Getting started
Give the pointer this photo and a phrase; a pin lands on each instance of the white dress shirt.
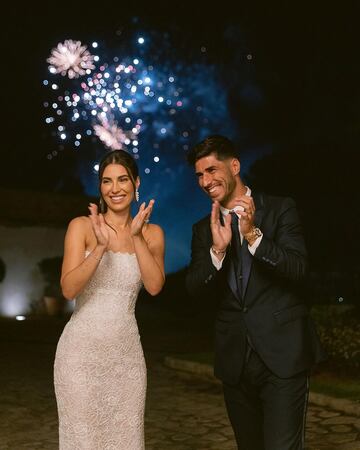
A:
(252, 248)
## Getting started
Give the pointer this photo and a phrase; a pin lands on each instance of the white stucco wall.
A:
(21, 248)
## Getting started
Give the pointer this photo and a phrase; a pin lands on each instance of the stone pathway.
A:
(183, 412)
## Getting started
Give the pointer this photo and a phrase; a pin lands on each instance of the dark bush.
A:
(51, 270)
(339, 331)
(2, 270)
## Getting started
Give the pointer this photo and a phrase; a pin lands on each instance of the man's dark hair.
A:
(221, 146)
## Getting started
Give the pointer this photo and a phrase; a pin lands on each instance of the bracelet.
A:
(218, 252)
(97, 259)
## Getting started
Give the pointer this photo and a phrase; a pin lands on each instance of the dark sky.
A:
(300, 87)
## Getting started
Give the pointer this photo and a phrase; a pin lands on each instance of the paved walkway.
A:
(183, 413)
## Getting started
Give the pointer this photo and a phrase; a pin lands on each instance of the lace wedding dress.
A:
(99, 370)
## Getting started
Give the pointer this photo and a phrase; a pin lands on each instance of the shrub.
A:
(339, 331)
(2, 270)
(51, 270)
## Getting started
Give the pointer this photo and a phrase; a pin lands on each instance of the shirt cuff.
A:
(252, 248)
(217, 262)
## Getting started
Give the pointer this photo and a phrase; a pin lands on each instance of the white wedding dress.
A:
(99, 370)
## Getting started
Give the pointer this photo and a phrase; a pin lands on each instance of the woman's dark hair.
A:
(221, 146)
(117, 157)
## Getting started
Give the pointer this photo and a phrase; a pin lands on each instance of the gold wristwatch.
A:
(253, 234)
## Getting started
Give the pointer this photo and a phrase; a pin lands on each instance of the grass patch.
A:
(321, 382)
(202, 358)
(335, 386)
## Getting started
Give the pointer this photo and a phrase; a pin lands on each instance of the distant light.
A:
(96, 58)
(156, 159)
(60, 128)
(52, 70)
(96, 167)
(128, 102)
(135, 150)
(77, 143)
(20, 317)
(160, 99)
(54, 86)
(94, 44)
(141, 40)
(340, 299)
(78, 136)
(147, 80)
(147, 170)
(203, 49)
(63, 136)
(88, 132)
(45, 82)
(127, 120)
(249, 57)
(171, 79)
(135, 143)
(136, 61)
(163, 130)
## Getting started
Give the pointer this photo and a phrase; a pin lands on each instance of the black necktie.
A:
(236, 248)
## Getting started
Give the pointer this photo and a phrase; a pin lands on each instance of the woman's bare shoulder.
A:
(154, 231)
(81, 223)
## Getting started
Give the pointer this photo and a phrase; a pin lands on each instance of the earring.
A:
(137, 195)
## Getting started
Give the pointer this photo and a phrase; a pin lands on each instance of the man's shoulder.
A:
(273, 201)
(204, 222)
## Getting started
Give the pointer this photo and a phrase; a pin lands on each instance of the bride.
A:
(99, 370)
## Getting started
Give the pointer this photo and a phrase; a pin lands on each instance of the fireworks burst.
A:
(154, 111)
(71, 58)
(111, 135)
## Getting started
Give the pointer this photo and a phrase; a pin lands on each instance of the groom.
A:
(250, 254)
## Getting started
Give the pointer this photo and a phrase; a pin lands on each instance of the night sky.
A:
(277, 79)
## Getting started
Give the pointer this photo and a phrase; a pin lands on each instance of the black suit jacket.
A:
(272, 311)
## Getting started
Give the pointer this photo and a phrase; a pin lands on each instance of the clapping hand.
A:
(101, 230)
(246, 213)
(221, 234)
(141, 218)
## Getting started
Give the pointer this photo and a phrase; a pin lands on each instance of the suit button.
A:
(245, 309)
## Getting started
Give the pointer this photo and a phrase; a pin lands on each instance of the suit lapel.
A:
(246, 256)
(231, 272)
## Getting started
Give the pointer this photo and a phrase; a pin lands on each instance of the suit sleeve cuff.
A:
(216, 262)
(252, 248)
